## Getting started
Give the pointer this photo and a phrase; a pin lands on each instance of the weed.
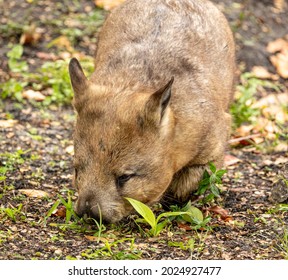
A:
(9, 161)
(150, 218)
(72, 221)
(282, 244)
(242, 109)
(53, 77)
(13, 89)
(196, 218)
(14, 62)
(188, 245)
(4, 235)
(210, 183)
(13, 213)
(112, 251)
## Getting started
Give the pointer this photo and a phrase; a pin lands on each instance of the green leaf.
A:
(220, 173)
(16, 52)
(52, 209)
(192, 214)
(212, 167)
(159, 227)
(144, 211)
(215, 190)
(208, 198)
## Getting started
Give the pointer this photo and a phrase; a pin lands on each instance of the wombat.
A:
(155, 111)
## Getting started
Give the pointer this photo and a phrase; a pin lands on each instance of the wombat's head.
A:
(122, 146)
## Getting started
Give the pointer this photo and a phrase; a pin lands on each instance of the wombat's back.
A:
(149, 41)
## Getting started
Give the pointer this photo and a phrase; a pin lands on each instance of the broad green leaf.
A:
(144, 211)
(171, 214)
(193, 214)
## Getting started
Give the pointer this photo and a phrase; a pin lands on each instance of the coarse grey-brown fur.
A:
(155, 111)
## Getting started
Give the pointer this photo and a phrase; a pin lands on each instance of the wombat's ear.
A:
(78, 80)
(158, 102)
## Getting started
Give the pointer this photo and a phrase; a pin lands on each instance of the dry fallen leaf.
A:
(280, 58)
(60, 212)
(230, 160)
(262, 73)
(108, 4)
(46, 56)
(7, 123)
(34, 95)
(61, 42)
(277, 45)
(70, 150)
(224, 214)
(280, 62)
(30, 36)
(34, 193)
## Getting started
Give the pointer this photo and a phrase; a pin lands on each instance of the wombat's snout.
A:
(88, 205)
(83, 206)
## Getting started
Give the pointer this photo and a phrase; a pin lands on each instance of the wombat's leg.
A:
(186, 181)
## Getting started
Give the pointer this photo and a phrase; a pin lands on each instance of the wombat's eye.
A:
(121, 180)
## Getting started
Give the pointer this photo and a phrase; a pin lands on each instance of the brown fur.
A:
(137, 134)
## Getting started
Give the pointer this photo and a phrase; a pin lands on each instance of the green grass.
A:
(51, 78)
(13, 213)
(242, 108)
(114, 250)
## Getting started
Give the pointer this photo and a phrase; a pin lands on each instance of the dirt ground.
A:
(258, 225)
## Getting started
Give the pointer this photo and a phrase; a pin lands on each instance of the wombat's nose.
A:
(84, 206)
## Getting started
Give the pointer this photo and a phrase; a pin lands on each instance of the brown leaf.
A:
(262, 73)
(60, 212)
(280, 62)
(278, 45)
(246, 140)
(34, 95)
(34, 193)
(70, 150)
(7, 123)
(46, 56)
(230, 160)
(108, 4)
(224, 214)
(184, 226)
(30, 36)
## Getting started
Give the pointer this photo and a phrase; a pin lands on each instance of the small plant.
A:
(9, 161)
(196, 218)
(69, 211)
(110, 250)
(14, 62)
(13, 213)
(72, 221)
(210, 182)
(188, 245)
(242, 108)
(156, 224)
